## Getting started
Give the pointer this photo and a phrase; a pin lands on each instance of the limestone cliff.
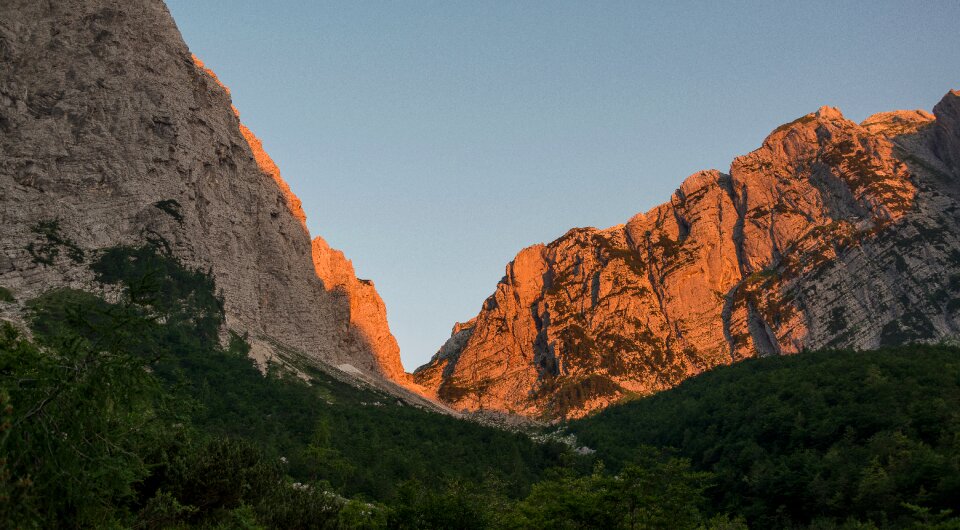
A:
(112, 129)
(368, 314)
(831, 234)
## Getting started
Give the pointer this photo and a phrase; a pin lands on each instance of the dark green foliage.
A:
(764, 277)
(162, 286)
(577, 344)
(49, 241)
(669, 248)
(953, 305)
(573, 393)
(458, 505)
(455, 389)
(220, 474)
(132, 413)
(654, 490)
(170, 207)
(80, 410)
(630, 257)
(6, 295)
(360, 441)
(838, 320)
(912, 327)
(221, 479)
(826, 435)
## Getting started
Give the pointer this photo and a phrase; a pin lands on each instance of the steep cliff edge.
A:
(111, 132)
(831, 234)
(368, 314)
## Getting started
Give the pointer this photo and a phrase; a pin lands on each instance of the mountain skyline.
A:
(184, 344)
(536, 128)
(832, 234)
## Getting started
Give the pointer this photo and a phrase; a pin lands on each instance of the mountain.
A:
(113, 133)
(832, 234)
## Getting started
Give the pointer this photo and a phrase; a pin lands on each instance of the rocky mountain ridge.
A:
(111, 132)
(831, 234)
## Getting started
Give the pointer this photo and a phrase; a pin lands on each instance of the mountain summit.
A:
(831, 234)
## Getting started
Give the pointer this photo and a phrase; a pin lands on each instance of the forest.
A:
(130, 406)
(814, 439)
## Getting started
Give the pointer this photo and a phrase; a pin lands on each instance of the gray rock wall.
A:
(104, 115)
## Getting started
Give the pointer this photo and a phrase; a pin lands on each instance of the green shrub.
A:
(49, 241)
(170, 207)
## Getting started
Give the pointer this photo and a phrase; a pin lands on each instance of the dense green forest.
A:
(134, 409)
(131, 412)
(817, 438)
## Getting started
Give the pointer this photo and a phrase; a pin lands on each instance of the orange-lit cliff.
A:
(831, 234)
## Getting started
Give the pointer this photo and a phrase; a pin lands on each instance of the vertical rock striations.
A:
(111, 128)
(831, 234)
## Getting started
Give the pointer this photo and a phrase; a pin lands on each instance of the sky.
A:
(432, 140)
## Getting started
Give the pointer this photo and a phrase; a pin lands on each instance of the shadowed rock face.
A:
(109, 125)
(832, 234)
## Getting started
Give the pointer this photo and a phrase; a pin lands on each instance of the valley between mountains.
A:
(177, 350)
(831, 234)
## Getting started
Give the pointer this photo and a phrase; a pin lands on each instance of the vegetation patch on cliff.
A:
(49, 241)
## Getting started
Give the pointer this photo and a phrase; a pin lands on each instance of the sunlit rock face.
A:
(368, 314)
(831, 234)
(109, 125)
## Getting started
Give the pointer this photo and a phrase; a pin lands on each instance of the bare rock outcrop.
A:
(111, 130)
(831, 234)
(368, 314)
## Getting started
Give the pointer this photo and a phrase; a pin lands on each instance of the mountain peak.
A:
(829, 113)
(825, 236)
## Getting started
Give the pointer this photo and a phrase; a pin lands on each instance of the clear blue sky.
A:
(431, 141)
